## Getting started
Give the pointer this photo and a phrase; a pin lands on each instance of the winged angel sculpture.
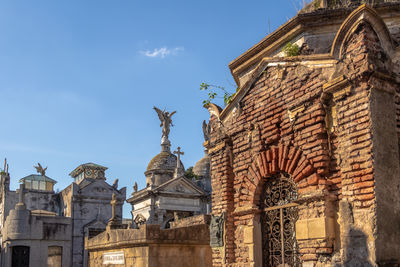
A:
(166, 122)
(206, 131)
(40, 169)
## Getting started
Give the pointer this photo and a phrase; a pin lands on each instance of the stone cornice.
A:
(148, 235)
(246, 210)
(336, 88)
(214, 148)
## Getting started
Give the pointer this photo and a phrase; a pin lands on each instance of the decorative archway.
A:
(362, 14)
(276, 165)
(282, 158)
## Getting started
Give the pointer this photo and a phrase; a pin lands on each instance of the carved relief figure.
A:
(206, 131)
(217, 231)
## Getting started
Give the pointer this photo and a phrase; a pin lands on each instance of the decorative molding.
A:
(362, 14)
(337, 88)
(217, 147)
(246, 210)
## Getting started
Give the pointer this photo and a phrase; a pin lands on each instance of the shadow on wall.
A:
(357, 253)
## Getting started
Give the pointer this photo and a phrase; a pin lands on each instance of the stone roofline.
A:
(255, 57)
(89, 165)
(145, 192)
(148, 234)
(32, 177)
(287, 31)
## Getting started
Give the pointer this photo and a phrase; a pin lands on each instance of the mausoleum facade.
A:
(305, 159)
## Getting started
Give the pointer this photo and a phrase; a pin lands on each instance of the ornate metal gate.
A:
(278, 222)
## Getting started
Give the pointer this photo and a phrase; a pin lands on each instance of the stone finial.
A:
(206, 131)
(135, 187)
(5, 168)
(21, 205)
(115, 183)
(113, 204)
(178, 170)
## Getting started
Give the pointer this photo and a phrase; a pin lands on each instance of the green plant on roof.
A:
(227, 96)
(291, 49)
(190, 174)
(317, 4)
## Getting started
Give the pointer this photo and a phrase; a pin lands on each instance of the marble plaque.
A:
(117, 257)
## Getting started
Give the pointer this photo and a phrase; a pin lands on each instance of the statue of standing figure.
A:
(166, 122)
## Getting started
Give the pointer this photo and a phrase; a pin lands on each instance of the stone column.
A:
(21, 205)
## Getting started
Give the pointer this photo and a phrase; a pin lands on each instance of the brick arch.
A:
(362, 14)
(276, 159)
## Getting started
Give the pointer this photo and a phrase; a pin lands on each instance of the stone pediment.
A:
(98, 187)
(180, 185)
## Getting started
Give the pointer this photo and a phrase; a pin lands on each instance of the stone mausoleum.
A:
(169, 195)
(40, 227)
(305, 163)
(171, 227)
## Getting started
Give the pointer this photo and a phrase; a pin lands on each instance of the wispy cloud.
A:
(162, 52)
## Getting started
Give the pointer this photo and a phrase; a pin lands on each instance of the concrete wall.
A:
(41, 200)
(387, 175)
(86, 205)
(134, 256)
(39, 233)
(151, 246)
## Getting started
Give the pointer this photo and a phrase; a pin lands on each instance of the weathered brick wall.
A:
(290, 122)
(264, 125)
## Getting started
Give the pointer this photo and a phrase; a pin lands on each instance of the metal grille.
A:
(279, 218)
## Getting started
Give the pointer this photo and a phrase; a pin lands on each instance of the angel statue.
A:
(166, 122)
(206, 131)
(40, 169)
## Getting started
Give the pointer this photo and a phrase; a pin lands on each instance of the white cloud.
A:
(162, 52)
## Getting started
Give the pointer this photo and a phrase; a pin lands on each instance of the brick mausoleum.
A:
(305, 159)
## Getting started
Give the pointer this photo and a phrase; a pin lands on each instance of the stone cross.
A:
(178, 153)
(113, 204)
(21, 193)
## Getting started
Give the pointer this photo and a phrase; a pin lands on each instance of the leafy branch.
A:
(291, 49)
(212, 94)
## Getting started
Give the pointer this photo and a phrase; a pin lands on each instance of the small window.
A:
(28, 184)
(42, 185)
(35, 185)
(54, 256)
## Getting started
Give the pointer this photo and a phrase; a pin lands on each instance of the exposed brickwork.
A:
(282, 125)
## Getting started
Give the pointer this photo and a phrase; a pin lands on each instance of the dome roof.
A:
(202, 167)
(164, 161)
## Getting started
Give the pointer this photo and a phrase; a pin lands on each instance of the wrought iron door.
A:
(278, 222)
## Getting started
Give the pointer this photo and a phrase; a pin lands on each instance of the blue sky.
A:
(79, 78)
